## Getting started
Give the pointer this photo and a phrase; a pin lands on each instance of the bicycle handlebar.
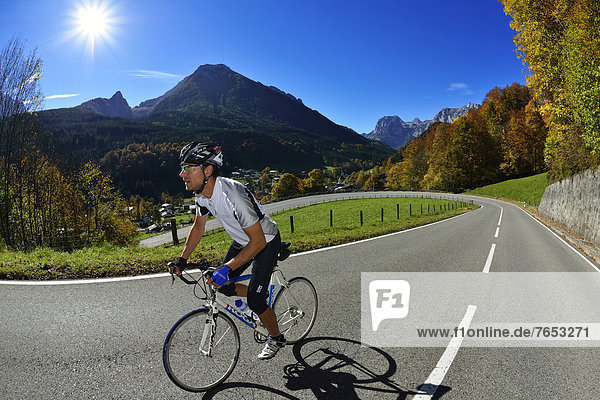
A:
(204, 267)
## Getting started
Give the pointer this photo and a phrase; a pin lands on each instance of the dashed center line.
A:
(488, 262)
(490, 257)
(501, 212)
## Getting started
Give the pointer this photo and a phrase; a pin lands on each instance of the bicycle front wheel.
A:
(296, 309)
(192, 360)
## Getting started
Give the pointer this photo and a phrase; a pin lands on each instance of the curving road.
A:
(103, 340)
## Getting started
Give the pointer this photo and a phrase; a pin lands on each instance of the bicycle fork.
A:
(209, 331)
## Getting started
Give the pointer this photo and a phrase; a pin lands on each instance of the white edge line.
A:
(551, 231)
(165, 274)
(95, 280)
(434, 380)
(488, 262)
(562, 240)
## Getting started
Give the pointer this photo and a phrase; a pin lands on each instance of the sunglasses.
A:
(188, 169)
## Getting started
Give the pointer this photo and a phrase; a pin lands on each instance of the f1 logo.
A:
(389, 299)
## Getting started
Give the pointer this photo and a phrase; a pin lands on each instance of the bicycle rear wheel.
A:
(187, 360)
(296, 309)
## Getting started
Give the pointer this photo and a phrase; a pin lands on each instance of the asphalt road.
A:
(104, 340)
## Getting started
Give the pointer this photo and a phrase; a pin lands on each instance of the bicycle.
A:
(202, 349)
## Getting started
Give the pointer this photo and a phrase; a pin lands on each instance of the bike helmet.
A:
(201, 153)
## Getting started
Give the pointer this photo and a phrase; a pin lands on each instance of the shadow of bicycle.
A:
(334, 368)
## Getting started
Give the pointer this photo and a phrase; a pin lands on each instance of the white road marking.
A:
(84, 281)
(490, 257)
(497, 231)
(562, 240)
(165, 274)
(501, 212)
(439, 372)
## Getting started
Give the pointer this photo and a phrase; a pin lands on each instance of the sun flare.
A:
(93, 22)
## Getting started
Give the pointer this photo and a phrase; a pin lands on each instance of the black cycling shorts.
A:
(262, 267)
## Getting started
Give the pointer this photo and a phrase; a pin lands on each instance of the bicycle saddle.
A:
(284, 251)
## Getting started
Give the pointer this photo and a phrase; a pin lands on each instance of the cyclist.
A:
(255, 235)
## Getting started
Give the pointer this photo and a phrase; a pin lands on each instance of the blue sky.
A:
(353, 61)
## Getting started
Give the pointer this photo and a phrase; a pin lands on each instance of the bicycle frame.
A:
(276, 284)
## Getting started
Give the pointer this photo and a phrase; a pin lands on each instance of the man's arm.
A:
(256, 244)
(193, 238)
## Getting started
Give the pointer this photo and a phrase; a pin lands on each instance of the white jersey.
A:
(234, 206)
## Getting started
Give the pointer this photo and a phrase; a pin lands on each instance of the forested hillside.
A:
(559, 42)
(502, 139)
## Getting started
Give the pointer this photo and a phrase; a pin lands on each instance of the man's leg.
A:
(270, 320)
(258, 289)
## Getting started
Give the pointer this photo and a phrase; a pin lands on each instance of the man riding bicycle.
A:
(255, 235)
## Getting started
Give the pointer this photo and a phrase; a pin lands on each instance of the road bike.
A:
(203, 347)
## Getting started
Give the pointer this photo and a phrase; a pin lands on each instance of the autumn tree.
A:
(361, 178)
(559, 42)
(315, 182)
(440, 164)
(103, 207)
(394, 177)
(288, 185)
(522, 142)
(374, 182)
(265, 181)
(20, 97)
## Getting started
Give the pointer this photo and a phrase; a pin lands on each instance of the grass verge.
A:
(529, 189)
(311, 231)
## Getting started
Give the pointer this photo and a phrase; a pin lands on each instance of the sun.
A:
(93, 23)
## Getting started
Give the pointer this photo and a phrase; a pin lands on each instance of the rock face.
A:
(574, 203)
(394, 132)
(450, 114)
(116, 106)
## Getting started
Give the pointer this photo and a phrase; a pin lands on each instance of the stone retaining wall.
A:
(575, 204)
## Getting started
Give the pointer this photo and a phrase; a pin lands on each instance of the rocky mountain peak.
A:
(116, 106)
(117, 96)
(211, 71)
(450, 114)
(394, 132)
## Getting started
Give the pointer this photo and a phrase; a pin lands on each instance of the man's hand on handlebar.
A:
(177, 266)
(220, 276)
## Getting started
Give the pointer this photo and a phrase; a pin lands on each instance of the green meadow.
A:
(312, 230)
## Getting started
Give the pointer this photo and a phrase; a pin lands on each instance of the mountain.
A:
(394, 132)
(116, 106)
(450, 114)
(257, 125)
(146, 107)
(216, 96)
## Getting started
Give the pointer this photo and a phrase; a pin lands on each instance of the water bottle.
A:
(244, 309)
